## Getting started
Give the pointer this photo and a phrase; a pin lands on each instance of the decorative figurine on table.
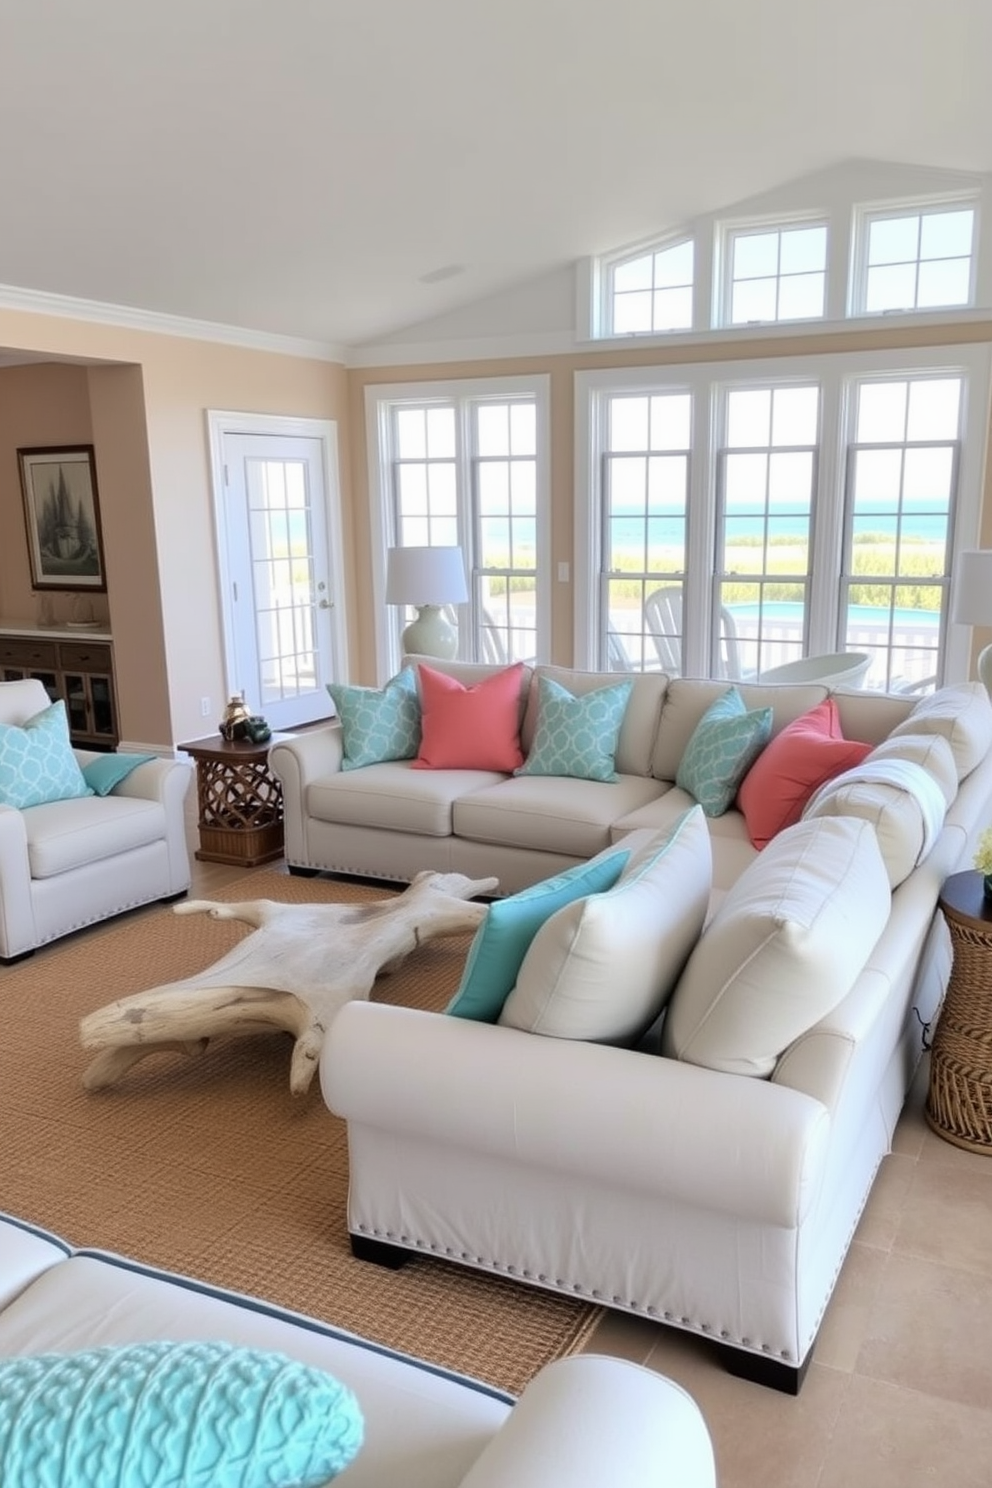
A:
(239, 723)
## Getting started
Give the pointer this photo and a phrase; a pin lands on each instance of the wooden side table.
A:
(239, 801)
(959, 1098)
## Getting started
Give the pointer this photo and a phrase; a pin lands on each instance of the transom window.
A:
(776, 274)
(917, 261)
(653, 292)
(463, 464)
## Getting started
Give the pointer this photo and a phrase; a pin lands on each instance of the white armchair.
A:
(67, 864)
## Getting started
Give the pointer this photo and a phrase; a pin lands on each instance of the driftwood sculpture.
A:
(303, 962)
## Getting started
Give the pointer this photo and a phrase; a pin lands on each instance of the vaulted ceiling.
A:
(338, 170)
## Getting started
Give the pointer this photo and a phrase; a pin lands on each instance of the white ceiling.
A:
(301, 167)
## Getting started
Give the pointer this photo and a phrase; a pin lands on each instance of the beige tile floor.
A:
(899, 1394)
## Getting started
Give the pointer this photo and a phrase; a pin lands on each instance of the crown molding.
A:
(472, 349)
(38, 302)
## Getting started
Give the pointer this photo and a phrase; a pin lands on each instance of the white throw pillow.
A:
(930, 751)
(902, 802)
(784, 948)
(962, 714)
(602, 968)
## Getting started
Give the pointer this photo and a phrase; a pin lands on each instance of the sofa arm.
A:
(728, 1143)
(586, 1421)
(296, 762)
(17, 932)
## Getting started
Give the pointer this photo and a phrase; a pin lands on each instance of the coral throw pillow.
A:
(470, 728)
(808, 752)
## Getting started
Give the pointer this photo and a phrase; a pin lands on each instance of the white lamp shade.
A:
(425, 576)
(972, 602)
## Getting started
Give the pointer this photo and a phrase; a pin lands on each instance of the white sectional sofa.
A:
(668, 1184)
(581, 1422)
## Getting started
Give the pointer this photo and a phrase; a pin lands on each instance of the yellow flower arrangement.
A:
(983, 856)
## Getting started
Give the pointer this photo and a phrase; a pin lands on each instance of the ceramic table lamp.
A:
(427, 578)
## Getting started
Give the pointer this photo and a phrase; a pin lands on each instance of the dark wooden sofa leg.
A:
(13, 960)
(174, 898)
(761, 1370)
(299, 872)
(378, 1251)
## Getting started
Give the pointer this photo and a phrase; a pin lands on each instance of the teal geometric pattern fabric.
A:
(503, 939)
(378, 724)
(577, 736)
(37, 763)
(172, 1415)
(724, 745)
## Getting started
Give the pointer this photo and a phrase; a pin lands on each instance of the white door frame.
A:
(222, 422)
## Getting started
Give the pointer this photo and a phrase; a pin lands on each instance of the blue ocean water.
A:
(667, 524)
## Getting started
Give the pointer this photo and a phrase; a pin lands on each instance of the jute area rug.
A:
(208, 1166)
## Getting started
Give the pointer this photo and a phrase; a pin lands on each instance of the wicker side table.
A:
(959, 1098)
(239, 801)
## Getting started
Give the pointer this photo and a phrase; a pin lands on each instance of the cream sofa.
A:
(582, 1421)
(67, 864)
(716, 1202)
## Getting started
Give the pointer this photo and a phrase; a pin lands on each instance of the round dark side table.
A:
(959, 1098)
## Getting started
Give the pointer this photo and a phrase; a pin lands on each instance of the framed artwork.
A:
(62, 516)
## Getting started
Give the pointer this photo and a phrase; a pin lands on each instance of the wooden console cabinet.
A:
(80, 671)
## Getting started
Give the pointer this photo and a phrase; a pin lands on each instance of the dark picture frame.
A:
(62, 517)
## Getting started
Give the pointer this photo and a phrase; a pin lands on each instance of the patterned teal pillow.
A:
(168, 1415)
(503, 939)
(108, 770)
(378, 724)
(577, 736)
(37, 763)
(724, 745)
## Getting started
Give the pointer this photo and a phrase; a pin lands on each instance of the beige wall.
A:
(561, 370)
(142, 403)
(142, 399)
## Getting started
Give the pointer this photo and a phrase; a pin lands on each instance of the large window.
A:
(730, 523)
(652, 292)
(466, 463)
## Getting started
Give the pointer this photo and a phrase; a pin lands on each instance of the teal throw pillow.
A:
(577, 736)
(724, 745)
(378, 724)
(102, 774)
(37, 763)
(503, 939)
(171, 1415)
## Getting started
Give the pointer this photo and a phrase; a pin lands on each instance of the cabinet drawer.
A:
(80, 656)
(30, 654)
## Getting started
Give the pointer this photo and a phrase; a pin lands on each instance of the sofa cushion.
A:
(474, 727)
(806, 753)
(501, 941)
(640, 721)
(378, 724)
(731, 846)
(724, 744)
(63, 835)
(783, 949)
(687, 699)
(930, 751)
(550, 813)
(395, 796)
(36, 761)
(159, 1414)
(602, 968)
(577, 736)
(899, 798)
(963, 714)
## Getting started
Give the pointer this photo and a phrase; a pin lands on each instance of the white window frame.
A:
(607, 294)
(867, 213)
(837, 374)
(727, 231)
(380, 400)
